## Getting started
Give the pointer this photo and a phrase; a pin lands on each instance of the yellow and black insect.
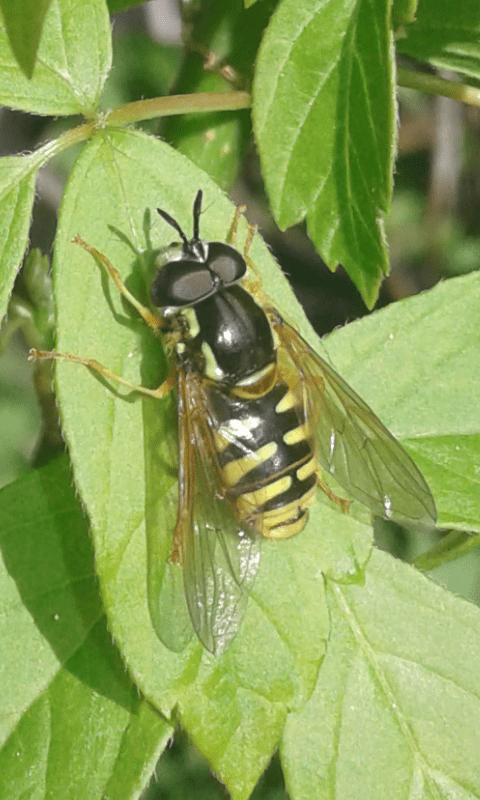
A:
(260, 415)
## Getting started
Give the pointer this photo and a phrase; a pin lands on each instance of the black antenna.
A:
(197, 210)
(174, 224)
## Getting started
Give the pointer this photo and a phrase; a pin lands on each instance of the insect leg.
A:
(152, 321)
(91, 363)
(251, 285)
(340, 501)
(232, 237)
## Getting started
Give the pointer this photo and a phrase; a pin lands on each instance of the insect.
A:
(260, 417)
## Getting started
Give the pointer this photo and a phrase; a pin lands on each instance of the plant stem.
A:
(453, 545)
(73, 136)
(432, 84)
(200, 103)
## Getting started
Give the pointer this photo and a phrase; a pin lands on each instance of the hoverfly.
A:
(260, 416)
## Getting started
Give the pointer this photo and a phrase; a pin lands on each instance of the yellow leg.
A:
(340, 501)
(152, 321)
(252, 229)
(239, 212)
(251, 285)
(91, 363)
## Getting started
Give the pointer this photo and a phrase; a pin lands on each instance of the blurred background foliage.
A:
(433, 233)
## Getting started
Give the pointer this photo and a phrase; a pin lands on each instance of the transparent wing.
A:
(219, 555)
(353, 445)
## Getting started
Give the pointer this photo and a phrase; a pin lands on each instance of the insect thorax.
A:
(228, 337)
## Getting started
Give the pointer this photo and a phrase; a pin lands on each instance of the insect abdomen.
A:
(266, 457)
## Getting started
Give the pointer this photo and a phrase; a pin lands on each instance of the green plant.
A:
(361, 670)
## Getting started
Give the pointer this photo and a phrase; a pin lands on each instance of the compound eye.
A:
(181, 283)
(226, 262)
(191, 287)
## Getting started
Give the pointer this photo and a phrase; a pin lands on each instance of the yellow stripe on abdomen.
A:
(306, 470)
(299, 434)
(281, 523)
(252, 501)
(236, 470)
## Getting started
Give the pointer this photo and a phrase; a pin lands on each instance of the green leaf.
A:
(20, 416)
(453, 461)
(240, 746)
(47, 611)
(74, 57)
(446, 35)
(396, 707)
(68, 689)
(24, 23)
(17, 186)
(324, 117)
(78, 742)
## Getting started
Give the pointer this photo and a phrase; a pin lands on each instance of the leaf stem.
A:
(432, 84)
(200, 103)
(67, 139)
(453, 545)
